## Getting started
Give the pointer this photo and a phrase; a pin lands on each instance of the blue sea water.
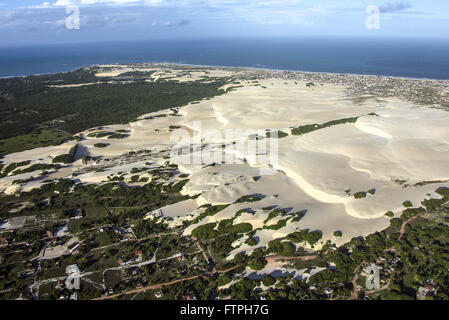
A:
(422, 58)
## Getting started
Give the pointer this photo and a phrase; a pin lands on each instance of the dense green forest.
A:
(36, 114)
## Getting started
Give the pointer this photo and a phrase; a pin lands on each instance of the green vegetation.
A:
(223, 280)
(279, 225)
(268, 281)
(258, 264)
(360, 195)
(118, 136)
(338, 234)
(100, 134)
(101, 145)
(134, 74)
(41, 136)
(113, 229)
(314, 127)
(251, 241)
(250, 198)
(227, 226)
(422, 249)
(63, 158)
(423, 183)
(304, 235)
(281, 248)
(273, 214)
(210, 211)
(407, 204)
(37, 114)
(205, 232)
(389, 214)
(279, 134)
(213, 210)
(35, 167)
(66, 158)
(299, 216)
(444, 192)
(11, 167)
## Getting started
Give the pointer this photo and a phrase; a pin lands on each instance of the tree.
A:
(268, 281)
(258, 264)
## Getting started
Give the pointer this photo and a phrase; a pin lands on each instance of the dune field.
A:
(369, 157)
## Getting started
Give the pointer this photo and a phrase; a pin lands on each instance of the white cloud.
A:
(110, 2)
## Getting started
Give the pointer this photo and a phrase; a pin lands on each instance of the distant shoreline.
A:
(301, 71)
(231, 67)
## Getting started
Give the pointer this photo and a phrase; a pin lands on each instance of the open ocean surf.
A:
(390, 57)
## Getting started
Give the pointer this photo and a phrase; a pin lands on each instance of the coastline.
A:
(266, 69)
(300, 71)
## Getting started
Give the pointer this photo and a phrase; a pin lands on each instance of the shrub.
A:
(407, 204)
(285, 249)
(443, 191)
(63, 158)
(279, 225)
(35, 167)
(360, 195)
(313, 237)
(258, 264)
(223, 279)
(118, 136)
(66, 158)
(250, 198)
(213, 210)
(205, 232)
(242, 228)
(304, 235)
(273, 214)
(389, 214)
(299, 216)
(227, 226)
(313, 127)
(12, 166)
(251, 241)
(101, 145)
(433, 204)
(268, 281)
(396, 222)
(100, 134)
(280, 134)
(338, 234)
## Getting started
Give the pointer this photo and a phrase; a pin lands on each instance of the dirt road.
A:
(405, 224)
(153, 287)
(354, 294)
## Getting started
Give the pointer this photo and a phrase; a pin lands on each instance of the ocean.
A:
(423, 58)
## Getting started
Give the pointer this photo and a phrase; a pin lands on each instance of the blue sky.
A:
(38, 21)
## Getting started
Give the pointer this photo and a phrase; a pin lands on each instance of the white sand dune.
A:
(318, 172)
